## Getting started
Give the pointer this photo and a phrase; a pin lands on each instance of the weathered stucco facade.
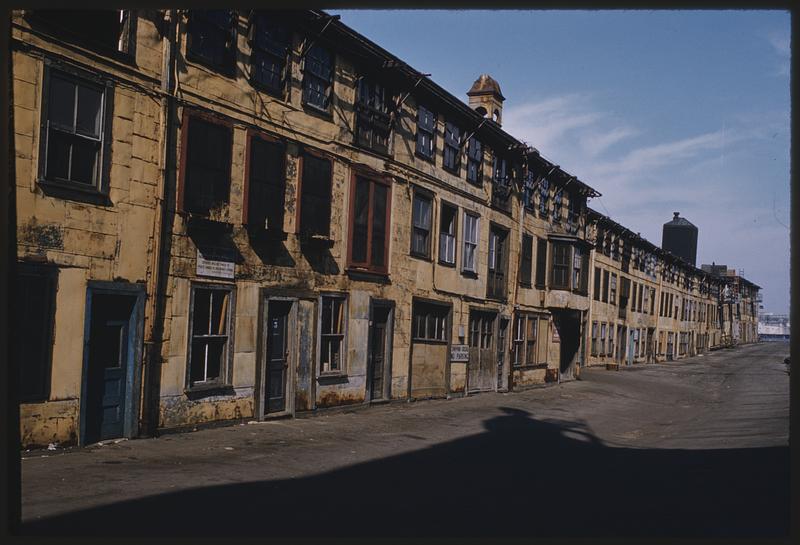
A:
(279, 216)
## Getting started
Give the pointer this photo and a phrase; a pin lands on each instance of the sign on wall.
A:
(217, 265)
(459, 352)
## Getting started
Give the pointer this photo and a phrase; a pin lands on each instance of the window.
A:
(451, 154)
(426, 131)
(318, 77)
(369, 233)
(481, 329)
(613, 294)
(210, 318)
(447, 234)
(331, 358)
(605, 286)
(544, 189)
(594, 339)
(430, 322)
(603, 351)
(469, 260)
(207, 172)
(559, 277)
(269, 47)
(610, 347)
(526, 261)
(76, 127)
(474, 161)
(580, 268)
(633, 299)
(501, 183)
(211, 38)
(496, 282)
(557, 202)
(266, 184)
(596, 290)
(541, 262)
(315, 196)
(523, 347)
(32, 328)
(110, 30)
(372, 116)
(640, 297)
(421, 225)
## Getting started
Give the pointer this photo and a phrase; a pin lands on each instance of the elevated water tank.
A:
(680, 238)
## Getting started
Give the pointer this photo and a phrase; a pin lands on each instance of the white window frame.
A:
(324, 369)
(225, 375)
(470, 243)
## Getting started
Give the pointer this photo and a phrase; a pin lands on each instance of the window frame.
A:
(367, 265)
(431, 132)
(228, 65)
(255, 51)
(474, 244)
(521, 342)
(305, 85)
(612, 295)
(299, 227)
(321, 370)
(454, 235)
(498, 269)
(369, 113)
(418, 308)
(225, 378)
(474, 158)
(188, 115)
(564, 267)
(451, 147)
(423, 195)
(248, 173)
(99, 190)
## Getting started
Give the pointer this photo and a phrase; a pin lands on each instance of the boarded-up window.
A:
(526, 261)
(267, 185)
(541, 262)
(207, 175)
(315, 200)
(32, 329)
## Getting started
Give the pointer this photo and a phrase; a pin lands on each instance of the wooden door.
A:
(377, 360)
(482, 374)
(277, 355)
(108, 360)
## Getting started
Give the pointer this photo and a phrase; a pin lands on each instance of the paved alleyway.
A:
(691, 448)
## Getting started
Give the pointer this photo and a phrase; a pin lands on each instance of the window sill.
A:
(74, 192)
(259, 233)
(431, 159)
(428, 341)
(274, 93)
(529, 366)
(447, 264)
(333, 377)
(525, 285)
(421, 257)
(367, 275)
(469, 274)
(327, 115)
(315, 240)
(208, 389)
(453, 171)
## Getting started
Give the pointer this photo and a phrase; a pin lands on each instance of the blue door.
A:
(109, 357)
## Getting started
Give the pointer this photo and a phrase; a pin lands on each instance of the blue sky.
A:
(660, 111)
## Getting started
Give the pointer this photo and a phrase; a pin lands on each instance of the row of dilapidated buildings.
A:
(245, 214)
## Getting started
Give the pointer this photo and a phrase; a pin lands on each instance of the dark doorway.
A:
(568, 325)
(502, 350)
(482, 365)
(277, 355)
(110, 351)
(379, 355)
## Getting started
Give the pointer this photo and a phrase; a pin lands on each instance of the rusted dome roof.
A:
(485, 84)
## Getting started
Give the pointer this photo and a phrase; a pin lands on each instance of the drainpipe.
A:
(163, 231)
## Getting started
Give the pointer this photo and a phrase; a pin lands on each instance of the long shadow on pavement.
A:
(521, 477)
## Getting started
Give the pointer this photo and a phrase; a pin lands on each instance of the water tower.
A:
(679, 237)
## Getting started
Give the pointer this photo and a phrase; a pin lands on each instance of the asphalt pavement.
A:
(693, 448)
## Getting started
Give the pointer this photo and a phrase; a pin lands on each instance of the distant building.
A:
(773, 327)
(679, 237)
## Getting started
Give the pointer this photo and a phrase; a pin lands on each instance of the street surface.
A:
(691, 448)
